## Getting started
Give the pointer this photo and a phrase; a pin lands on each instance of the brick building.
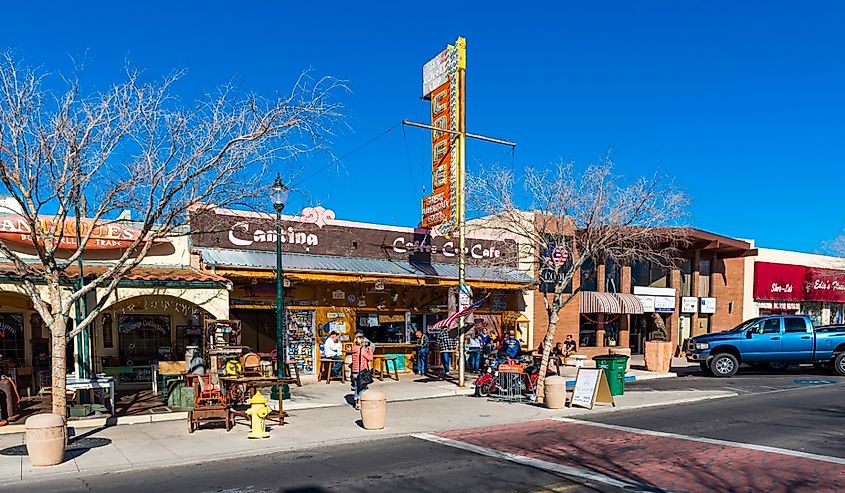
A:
(615, 305)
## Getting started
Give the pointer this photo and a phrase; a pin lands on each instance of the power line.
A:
(344, 156)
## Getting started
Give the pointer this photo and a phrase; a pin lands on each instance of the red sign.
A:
(510, 368)
(786, 282)
(824, 284)
(16, 229)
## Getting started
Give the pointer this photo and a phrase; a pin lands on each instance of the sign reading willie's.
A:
(319, 234)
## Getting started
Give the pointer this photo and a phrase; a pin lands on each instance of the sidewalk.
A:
(320, 395)
(161, 444)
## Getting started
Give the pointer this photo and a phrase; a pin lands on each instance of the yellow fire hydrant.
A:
(258, 413)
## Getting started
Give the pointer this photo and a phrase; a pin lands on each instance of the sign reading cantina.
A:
(785, 282)
(220, 230)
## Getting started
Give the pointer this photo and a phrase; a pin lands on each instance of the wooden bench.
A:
(326, 374)
(381, 366)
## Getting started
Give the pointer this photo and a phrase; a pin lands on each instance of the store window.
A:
(704, 270)
(611, 332)
(813, 309)
(686, 277)
(384, 328)
(143, 338)
(587, 332)
(12, 338)
(612, 276)
(645, 273)
(589, 276)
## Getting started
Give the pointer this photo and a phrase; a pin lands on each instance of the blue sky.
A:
(741, 102)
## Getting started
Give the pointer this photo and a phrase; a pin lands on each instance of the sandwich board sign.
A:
(591, 387)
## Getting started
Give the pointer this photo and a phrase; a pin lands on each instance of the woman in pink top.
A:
(362, 357)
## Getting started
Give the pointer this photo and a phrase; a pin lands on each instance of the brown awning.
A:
(595, 302)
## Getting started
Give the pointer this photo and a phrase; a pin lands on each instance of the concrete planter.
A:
(46, 439)
(555, 392)
(373, 409)
(658, 356)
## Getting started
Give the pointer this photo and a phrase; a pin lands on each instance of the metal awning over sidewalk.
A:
(619, 303)
(223, 261)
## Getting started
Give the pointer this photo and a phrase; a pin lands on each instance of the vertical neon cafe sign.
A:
(440, 86)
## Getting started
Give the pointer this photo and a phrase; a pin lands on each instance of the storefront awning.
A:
(152, 276)
(225, 259)
(619, 303)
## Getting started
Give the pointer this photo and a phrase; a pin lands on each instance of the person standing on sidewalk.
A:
(446, 344)
(362, 357)
(473, 352)
(422, 352)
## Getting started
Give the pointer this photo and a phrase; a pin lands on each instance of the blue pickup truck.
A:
(775, 341)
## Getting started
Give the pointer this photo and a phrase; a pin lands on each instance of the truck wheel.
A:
(705, 368)
(724, 365)
(839, 364)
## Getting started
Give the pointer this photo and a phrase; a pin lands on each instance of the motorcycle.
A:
(489, 384)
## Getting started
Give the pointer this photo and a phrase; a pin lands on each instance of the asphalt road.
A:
(405, 464)
(795, 411)
(747, 382)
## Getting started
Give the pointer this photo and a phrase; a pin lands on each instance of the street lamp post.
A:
(279, 196)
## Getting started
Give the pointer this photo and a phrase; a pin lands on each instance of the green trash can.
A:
(614, 367)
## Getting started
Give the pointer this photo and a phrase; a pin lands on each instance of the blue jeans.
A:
(337, 367)
(474, 359)
(422, 361)
(446, 359)
(357, 394)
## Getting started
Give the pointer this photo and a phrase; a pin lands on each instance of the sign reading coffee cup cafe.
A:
(325, 236)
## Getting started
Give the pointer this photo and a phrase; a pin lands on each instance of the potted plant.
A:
(658, 347)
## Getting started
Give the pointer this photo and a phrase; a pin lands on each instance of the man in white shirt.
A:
(333, 349)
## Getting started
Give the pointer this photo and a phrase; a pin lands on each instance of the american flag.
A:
(448, 321)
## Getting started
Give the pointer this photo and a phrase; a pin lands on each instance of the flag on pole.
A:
(451, 319)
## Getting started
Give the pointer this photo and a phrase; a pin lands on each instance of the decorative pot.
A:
(46, 439)
(658, 356)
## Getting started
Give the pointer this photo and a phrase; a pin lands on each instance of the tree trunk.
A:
(548, 342)
(58, 333)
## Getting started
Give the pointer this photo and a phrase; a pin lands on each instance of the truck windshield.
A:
(744, 325)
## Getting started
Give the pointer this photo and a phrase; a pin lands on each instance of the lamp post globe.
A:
(279, 196)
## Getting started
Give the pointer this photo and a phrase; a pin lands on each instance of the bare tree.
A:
(570, 217)
(133, 146)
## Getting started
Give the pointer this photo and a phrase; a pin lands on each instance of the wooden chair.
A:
(210, 405)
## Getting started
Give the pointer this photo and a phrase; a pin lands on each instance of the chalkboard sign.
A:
(590, 387)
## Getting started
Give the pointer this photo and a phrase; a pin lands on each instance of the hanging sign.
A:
(708, 305)
(441, 87)
(689, 304)
(591, 387)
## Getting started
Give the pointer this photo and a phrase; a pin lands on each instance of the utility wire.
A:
(340, 158)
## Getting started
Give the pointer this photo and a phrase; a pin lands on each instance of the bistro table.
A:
(253, 383)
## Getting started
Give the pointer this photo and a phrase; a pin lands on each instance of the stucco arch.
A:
(213, 301)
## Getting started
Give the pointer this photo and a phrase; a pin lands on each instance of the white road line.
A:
(537, 463)
(711, 441)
